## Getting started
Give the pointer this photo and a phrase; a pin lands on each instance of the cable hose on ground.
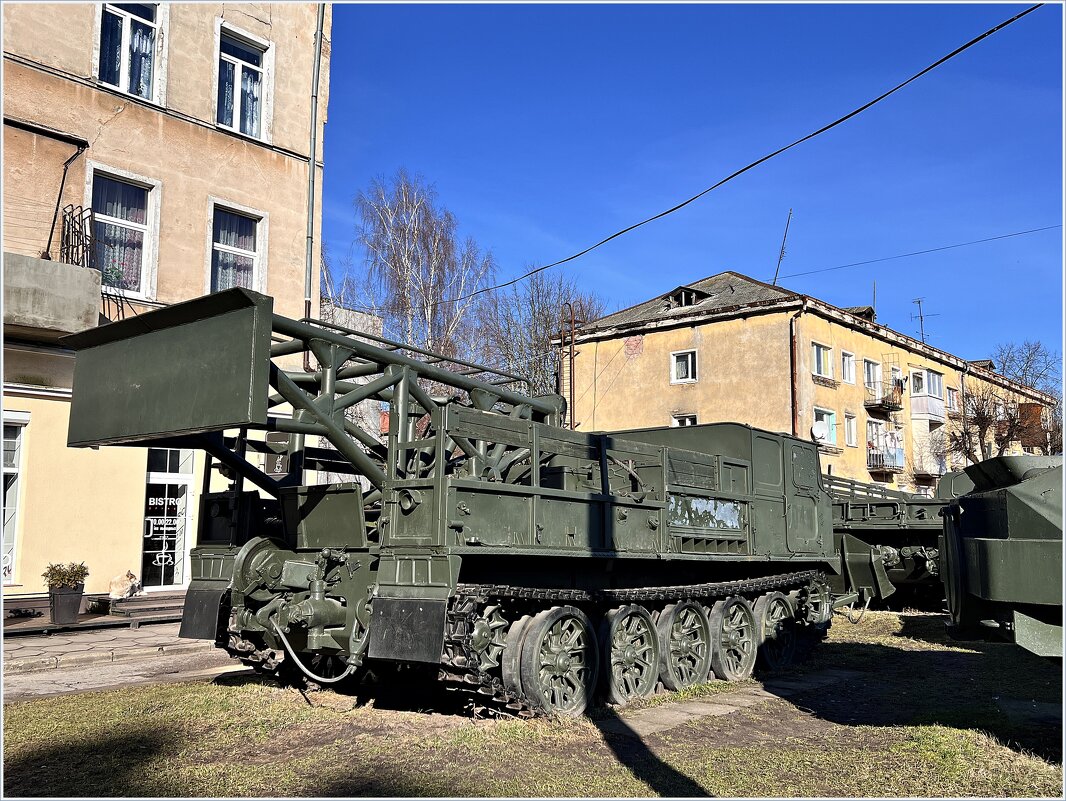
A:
(851, 609)
(320, 679)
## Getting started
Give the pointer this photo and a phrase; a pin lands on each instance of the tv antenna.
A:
(781, 255)
(920, 317)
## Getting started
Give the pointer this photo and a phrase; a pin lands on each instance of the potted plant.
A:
(66, 583)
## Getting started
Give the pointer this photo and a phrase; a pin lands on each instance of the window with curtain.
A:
(121, 231)
(822, 357)
(233, 250)
(683, 367)
(127, 47)
(240, 86)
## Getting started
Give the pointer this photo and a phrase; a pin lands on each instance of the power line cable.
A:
(753, 164)
(920, 252)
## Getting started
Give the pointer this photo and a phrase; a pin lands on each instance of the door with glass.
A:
(168, 494)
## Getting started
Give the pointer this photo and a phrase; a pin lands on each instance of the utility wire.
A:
(920, 252)
(753, 164)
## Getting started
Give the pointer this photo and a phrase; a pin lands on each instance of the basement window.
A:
(682, 420)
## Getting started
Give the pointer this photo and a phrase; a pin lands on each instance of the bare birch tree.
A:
(995, 417)
(523, 319)
(416, 265)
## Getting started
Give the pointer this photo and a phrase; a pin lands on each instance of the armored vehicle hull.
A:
(478, 540)
(1003, 547)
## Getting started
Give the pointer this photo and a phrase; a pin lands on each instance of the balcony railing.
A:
(76, 245)
(884, 460)
(930, 467)
(885, 396)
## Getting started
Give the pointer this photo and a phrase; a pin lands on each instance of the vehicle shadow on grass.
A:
(959, 689)
(632, 752)
(113, 766)
(428, 697)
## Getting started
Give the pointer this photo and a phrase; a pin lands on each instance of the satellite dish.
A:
(820, 431)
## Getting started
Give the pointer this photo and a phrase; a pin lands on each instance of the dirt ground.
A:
(920, 715)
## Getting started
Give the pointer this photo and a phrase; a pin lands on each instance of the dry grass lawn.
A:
(923, 718)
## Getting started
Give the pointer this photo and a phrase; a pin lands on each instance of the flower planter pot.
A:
(64, 604)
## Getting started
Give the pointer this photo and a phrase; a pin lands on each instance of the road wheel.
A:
(560, 660)
(734, 639)
(684, 645)
(511, 662)
(775, 618)
(630, 653)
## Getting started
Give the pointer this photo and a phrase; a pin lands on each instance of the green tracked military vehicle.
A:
(526, 562)
(1002, 543)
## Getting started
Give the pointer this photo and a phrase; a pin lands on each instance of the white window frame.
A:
(21, 420)
(249, 39)
(847, 367)
(929, 384)
(831, 438)
(851, 432)
(159, 65)
(150, 252)
(828, 359)
(877, 443)
(262, 232)
(694, 371)
(879, 373)
(683, 420)
(920, 375)
(951, 399)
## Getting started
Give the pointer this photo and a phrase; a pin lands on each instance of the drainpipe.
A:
(962, 391)
(312, 170)
(47, 254)
(793, 363)
(562, 311)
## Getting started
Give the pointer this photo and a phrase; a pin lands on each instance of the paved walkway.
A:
(655, 719)
(25, 653)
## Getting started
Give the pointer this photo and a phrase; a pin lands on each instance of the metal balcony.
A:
(884, 460)
(927, 407)
(930, 467)
(886, 396)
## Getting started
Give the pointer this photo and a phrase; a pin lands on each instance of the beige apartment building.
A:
(882, 406)
(153, 153)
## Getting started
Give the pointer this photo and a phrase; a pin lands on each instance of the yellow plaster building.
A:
(730, 348)
(152, 153)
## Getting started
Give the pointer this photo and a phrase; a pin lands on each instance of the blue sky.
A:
(547, 127)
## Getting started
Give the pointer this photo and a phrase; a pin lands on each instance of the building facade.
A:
(153, 153)
(883, 407)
